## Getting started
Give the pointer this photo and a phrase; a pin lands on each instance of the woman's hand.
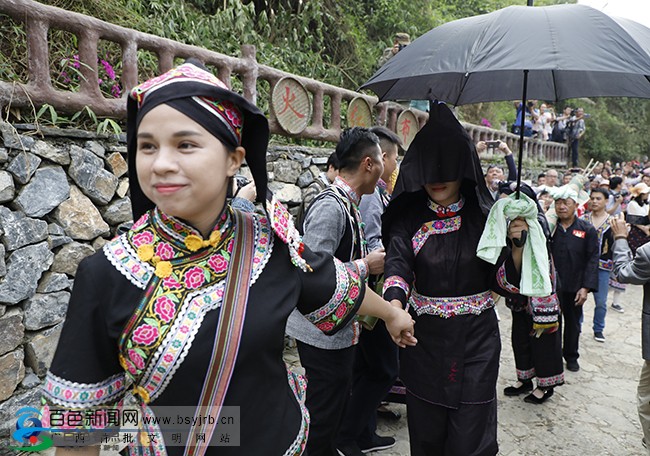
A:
(400, 326)
(516, 227)
(248, 191)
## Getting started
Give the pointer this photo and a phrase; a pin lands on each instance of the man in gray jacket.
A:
(635, 269)
(333, 225)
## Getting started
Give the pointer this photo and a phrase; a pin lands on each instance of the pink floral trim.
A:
(503, 281)
(525, 374)
(72, 395)
(442, 226)
(179, 319)
(554, 380)
(396, 281)
(451, 307)
(342, 302)
(298, 386)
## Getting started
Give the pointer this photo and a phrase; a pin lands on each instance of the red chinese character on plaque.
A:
(291, 105)
(359, 113)
(407, 127)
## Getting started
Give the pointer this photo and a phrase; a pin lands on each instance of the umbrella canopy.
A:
(570, 51)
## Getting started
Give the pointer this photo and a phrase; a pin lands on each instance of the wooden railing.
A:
(39, 20)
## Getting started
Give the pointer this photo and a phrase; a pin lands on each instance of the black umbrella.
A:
(548, 53)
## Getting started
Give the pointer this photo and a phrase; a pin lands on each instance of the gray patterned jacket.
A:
(636, 270)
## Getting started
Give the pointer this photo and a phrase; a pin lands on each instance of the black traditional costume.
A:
(432, 267)
(151, 321)
(536, 339)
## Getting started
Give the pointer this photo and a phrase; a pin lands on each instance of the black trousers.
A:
(434, 430)
(536, 356)
(329, 378)
(375, 370)
(572, 325)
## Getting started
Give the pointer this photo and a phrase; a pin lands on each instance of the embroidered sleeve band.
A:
(396, 281)
(503, 281)
(344, 301)
(72, 395)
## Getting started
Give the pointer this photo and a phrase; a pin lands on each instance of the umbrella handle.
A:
(522, 240)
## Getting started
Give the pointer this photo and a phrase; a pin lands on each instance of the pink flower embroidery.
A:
(136, 358)
(184, 329)
(231, 244)
(354, 292)
(325, 326)
(218, 263)
(145, 334)
(171, 283)
(194, 277)
(263, 240)
(164, 251)
(340, 311)
(135, 268)
(146, 237)
(168, 358)
(164, 308)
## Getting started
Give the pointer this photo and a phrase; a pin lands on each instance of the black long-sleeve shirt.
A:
(575, 252)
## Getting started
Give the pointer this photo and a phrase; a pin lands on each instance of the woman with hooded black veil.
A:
(432, 228)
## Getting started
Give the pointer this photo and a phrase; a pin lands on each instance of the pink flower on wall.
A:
(165, 251)
(146, 237)
(218, 263)
(164, 308)
(145, 334)
(194, 277)
(136, 358)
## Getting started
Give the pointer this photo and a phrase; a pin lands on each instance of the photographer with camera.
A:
(617, 196)
(400, 41)
(494, 174)
(575, 128)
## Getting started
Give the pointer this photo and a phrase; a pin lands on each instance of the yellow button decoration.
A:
(145, 252)
(163, 269)
(193, 242)
(143, 393)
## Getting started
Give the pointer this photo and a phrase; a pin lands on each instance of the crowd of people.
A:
(191, 305)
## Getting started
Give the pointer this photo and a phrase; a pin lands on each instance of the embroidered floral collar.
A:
(339, 182)
(382, 184)
(446, 211)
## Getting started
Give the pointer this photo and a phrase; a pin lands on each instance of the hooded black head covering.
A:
(197, 93)
(442, 151)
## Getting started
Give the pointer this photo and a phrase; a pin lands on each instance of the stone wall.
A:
(62, 197)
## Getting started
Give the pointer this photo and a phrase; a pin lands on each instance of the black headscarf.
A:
(197, 93)
(442, 151)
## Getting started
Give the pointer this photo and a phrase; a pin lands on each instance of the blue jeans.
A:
(600, 297)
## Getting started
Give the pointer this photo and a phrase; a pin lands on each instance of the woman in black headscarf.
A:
(432, 227)
(536, 336)
(187, 310)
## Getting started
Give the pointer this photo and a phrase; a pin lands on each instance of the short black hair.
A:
(355, 144)
(541, 175)
(386, 136)
(604, 191)
(332, 161)
(615, 182)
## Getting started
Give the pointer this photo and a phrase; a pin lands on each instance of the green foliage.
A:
(335, 41)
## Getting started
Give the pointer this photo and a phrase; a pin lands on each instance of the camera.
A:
(492, 144)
